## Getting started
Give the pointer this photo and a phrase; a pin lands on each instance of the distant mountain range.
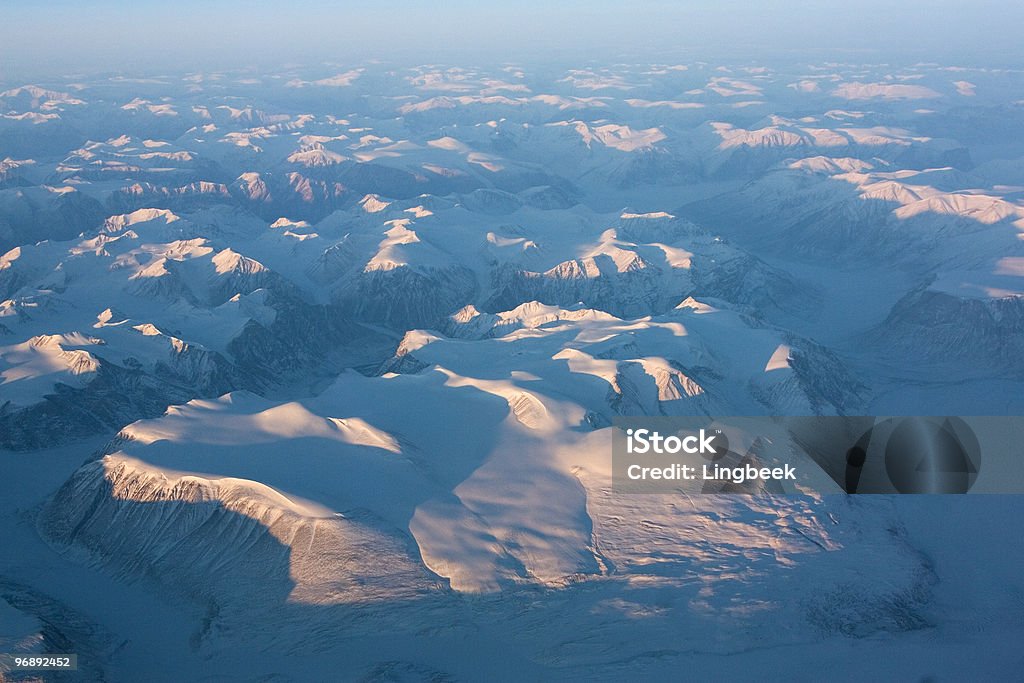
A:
(322, 359)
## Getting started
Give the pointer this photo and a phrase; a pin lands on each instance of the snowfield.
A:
(311, 376)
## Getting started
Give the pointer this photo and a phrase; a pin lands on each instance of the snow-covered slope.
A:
(308, 373)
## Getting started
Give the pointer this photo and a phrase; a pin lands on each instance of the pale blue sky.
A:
(113, 34)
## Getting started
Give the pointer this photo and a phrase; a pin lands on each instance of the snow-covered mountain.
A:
(319, 365)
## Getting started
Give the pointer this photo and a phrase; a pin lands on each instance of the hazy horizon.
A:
(55, 38)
